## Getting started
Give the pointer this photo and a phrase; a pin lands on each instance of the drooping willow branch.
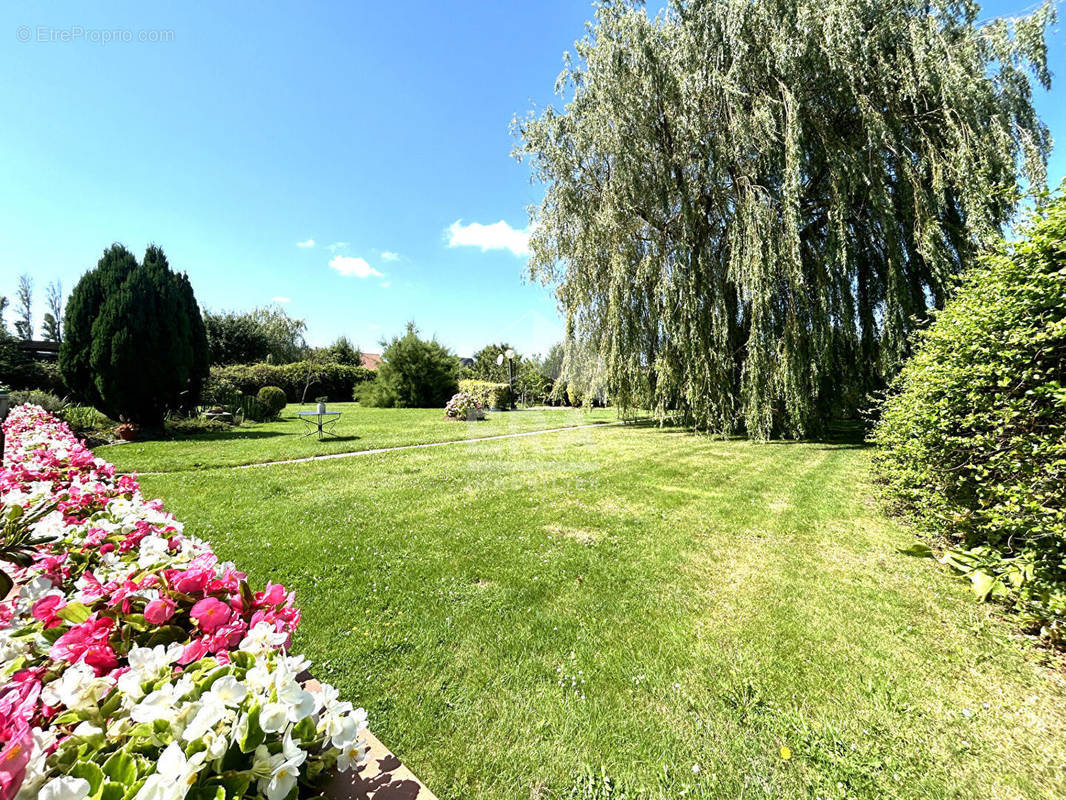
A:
(751, 204)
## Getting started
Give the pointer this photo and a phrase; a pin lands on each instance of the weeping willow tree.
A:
(750, 204)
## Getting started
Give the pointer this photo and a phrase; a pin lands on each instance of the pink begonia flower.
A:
(273, 596)
(211, 614)
(73, 644)
(14, 757)
(193, 581)
(160, 610)
(101, 658)
(194, 651)
(45, 609)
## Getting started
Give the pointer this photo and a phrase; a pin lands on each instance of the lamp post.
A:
(509, 354)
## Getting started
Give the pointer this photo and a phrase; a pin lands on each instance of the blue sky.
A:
(249, 129)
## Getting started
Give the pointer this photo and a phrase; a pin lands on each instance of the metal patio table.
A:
(320, 423)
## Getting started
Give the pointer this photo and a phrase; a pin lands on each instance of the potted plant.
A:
(127, 431)
(321, 404)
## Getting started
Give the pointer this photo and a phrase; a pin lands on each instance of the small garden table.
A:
(319, 422)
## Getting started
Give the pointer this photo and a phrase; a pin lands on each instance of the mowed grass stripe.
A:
(719, 599)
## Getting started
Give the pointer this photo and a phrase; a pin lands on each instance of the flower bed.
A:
(464, 406)
(134, 665)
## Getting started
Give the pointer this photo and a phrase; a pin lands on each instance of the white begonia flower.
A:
(229, 690)
(352, 755)
(77, 688)
(262, 638)
(64, 788)
(34, 590)
(258, 678)
(86, 729)
(263, 763)
(160, 703)
(285, 774)
(173, 776)
(298, 702)
(153, 549)
(10, 648)
(210, 711)
(350, 729)
(273, 717)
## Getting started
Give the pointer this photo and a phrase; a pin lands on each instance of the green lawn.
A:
(639, 601)
(358, 429)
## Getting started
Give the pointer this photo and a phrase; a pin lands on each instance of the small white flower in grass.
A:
(64, 788)
(173, 776)
(695, 769)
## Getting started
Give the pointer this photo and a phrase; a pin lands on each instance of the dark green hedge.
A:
(973, 438)
(335, 381)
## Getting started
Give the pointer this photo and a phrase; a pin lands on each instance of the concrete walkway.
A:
(354, 453)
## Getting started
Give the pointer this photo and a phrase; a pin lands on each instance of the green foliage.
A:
(336, 381)
(342, 351)
(272, 399)
(490, 394)
(20, 371)
(190, 426)
(50, 327)
(81, 419)
(485, 367)
(750, 204)
(263, 334)
(46, 400)
(133, 338)
(414, 373)
(974, 435)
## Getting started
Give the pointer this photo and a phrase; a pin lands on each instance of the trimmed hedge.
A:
(335, 381)
(973, 439)
(489, 394)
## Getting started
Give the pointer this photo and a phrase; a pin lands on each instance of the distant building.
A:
(372, 360)
(41, 351)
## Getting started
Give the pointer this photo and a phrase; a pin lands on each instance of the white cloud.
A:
(333, 248)
(353, 266)
(373, 326)
(282, 299)
(388, 255)
(386, 284)
(308, 243)
(497, 236)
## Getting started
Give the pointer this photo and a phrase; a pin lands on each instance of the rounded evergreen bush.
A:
(272, 399)
(973, 437)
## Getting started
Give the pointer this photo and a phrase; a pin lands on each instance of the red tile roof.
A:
(371, 360)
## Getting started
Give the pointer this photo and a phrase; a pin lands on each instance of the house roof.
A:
(371, 360)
